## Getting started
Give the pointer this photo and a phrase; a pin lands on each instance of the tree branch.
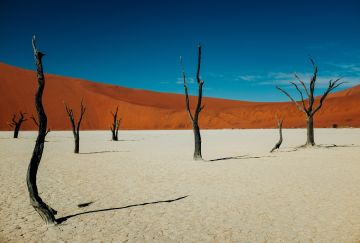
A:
(118, 125)
(82, 111)
(332, 85)
(301, 94)
(279, 123)
(286, 93)
(34, 120)
(71, 117)
(186, 90)
(312, 85)
(303, 85)
(200, 84)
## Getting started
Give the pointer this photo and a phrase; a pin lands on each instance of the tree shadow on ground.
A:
(105, 151)
(83, 205)
(126, 140)
(63, 219)
(317, 146)
(238, 157)
(336, 146)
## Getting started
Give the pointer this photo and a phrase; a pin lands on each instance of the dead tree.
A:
(76, 126)
(279, 123)
(16, 124)
(307, 105)
(116, 125)
(195, 117)
(37, 124)
(45, 211)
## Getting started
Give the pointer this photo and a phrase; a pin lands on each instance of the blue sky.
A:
(248, 46)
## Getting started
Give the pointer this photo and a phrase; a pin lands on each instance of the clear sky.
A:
(248, 46)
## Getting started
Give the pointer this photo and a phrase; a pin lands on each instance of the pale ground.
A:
(308, 195)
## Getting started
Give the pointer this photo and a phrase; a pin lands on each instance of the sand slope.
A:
(142, 109)
(308, 195)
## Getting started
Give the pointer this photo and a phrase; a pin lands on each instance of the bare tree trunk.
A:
(16, 124)
(76, 126)
(195, 118)
(310, 131)
(308, 108)
(45, 211)
(116, 125)
(37, 124)
(16, 130)
(197, 139)
(77, 142)
(114, 137)
(278, 144)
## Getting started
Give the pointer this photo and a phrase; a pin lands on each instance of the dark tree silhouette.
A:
(37, 124)
(115, 125)
(34, 120)
(16, 124)
(45, 211)
(195, 118)
(307, 106)
(76, 126)
(279, 123)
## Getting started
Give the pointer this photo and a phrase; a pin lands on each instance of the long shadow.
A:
(83, 205)
(238, 157)
(105, 151)
(285, 151)
(327, 146)
(63, 219)
(337, 146)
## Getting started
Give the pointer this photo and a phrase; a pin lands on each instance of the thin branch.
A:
(186, 90)
(286, 93)
(71, 117)
(82, 111)
(118, 125)
(22, 117)
(312, 85)
(34, 120)
(332, 85)
(198, 65)
(301, 94)
(303, 85)
(279, 123)
(13, 120)
(200, 84)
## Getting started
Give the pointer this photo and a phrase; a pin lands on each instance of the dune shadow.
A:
(238, 157)
(105, 151)
(63, 219)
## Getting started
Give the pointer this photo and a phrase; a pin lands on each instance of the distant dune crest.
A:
(141, 109)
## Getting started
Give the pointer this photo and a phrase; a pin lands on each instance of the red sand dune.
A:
(142, 109)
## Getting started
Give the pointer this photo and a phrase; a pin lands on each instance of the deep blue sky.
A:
(248, 46)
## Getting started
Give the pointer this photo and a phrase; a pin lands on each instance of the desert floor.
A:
(147, 188)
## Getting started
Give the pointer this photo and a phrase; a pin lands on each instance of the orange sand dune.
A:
(141, 109)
